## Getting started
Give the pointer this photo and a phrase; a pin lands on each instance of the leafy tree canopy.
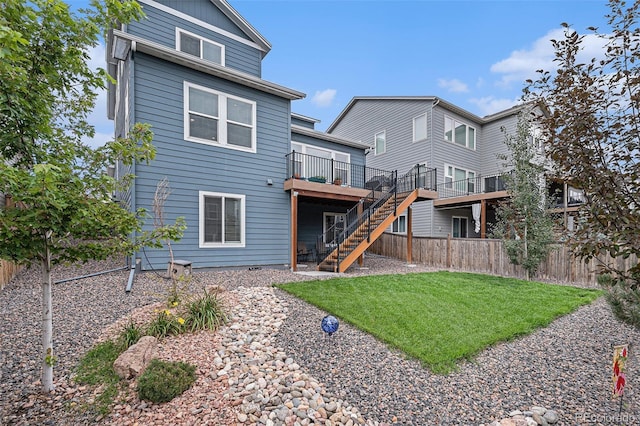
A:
(523, 222)
(593, 129)
(64, 207)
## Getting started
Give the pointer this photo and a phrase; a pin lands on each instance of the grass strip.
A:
(441, 318)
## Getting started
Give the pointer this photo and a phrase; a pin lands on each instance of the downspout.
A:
(95, 274)
(133, 263)
(433, 105)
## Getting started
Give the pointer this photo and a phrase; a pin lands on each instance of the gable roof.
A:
(139, 44)
(436, 101)
(256, 38)
(242, 23)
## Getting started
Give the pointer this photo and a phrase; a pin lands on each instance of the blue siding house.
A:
(257, 185)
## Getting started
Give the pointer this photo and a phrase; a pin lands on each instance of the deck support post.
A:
(360, 211)
(294, 231)
(409, 235)
(483, 219)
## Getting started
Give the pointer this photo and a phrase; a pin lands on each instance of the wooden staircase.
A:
(347, 252)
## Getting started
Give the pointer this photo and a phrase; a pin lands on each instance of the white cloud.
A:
(324, 98)
(490, 105)
(454, 85)
(523, 64)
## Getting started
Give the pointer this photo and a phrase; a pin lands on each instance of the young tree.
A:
(64, 211)
(593, 127)
(523, 222)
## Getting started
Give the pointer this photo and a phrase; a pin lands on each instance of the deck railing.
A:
(494, 183)
(384, 188)
(327, 170)
(477, 185)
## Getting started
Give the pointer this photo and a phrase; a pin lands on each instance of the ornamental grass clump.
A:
(165, 324)
(129, 335)
(162, 381)
(205, 313)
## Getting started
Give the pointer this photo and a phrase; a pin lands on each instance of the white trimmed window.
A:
(399, 225)
(216, 118)
(198, 46)
(380, 141)
(459, 133)
(307, 166)
(461, 180)
(420, 128)
(459, 227)
(222, 220)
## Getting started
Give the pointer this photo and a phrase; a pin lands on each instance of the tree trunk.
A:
(47, 323)
(526, 253)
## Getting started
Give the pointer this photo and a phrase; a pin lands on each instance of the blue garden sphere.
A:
(329, 324)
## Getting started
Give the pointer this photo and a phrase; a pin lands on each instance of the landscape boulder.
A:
(132, 362)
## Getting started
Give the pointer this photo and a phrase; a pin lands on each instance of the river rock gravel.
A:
(272, 365)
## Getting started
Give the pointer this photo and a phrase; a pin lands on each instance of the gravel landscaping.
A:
(273, 365)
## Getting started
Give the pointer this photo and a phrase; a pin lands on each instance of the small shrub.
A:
(162, 381)
(623, 298)
(205, 313)
(129, 335)
(165, 324)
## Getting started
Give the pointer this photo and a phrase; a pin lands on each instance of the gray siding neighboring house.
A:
(415, 129)
(223, 135)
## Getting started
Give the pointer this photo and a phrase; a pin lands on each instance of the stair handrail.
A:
(352, 216)
(408, 182)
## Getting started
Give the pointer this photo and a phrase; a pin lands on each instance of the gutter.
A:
(139, 44)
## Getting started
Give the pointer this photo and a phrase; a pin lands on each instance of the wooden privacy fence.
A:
(488, 256)
(7, 271)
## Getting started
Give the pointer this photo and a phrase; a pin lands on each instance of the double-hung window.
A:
(216, 118)
(420, 128)
(199, 46)
(460, 180)
(459, 133)
(222, 220)
(380, 141)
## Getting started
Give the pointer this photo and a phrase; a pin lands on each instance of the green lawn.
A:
(442, 317)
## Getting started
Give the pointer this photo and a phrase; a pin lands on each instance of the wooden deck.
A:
(463, 200)
(340, 192)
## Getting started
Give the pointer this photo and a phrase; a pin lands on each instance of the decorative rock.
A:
(551, 417)
(539, 419)
(539, 410)
(132, 362)
(536, 416)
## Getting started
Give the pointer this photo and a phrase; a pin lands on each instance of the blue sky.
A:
(475, 54)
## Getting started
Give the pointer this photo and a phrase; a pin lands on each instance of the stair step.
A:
(361, 232)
